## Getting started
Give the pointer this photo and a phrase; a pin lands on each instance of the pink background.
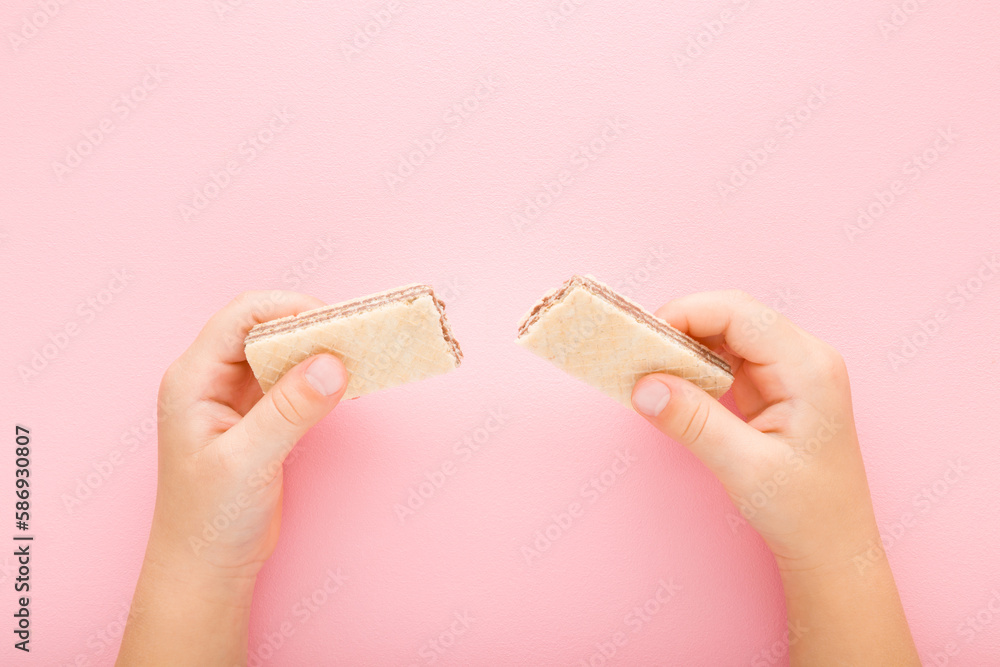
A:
(646, 214)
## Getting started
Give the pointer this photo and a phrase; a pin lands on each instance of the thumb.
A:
(690, 416)
(303, 396)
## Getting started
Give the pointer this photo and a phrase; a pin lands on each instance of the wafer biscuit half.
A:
(608, 341)
(384, 339)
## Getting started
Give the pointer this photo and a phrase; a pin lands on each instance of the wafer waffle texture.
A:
(611, 346)
(385, 340)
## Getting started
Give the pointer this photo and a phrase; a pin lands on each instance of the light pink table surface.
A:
(831, 108)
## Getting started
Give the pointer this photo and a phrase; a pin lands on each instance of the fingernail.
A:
(651, 397)
(325, 375)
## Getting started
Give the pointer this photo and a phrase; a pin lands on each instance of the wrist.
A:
(837, 544)
(858, 558)
(178, 566)
(186, 610)
(849, 610)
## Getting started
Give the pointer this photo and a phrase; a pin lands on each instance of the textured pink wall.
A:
(240, 145)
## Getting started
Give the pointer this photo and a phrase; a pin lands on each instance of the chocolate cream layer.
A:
(354, 307)
(632, 310)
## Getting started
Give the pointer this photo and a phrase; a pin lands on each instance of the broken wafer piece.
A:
(608, 341)
(385, 339)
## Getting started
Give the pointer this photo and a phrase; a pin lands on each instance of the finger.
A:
(685, 413)
(721, 349)
(221, 340)
(750, 329)
(214, 367)
(303, 396)
(746, 393)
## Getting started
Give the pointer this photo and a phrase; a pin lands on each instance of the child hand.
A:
(794, 469)
(219, 484)
(222, 442)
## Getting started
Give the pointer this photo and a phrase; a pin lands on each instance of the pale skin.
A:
(221, 444)
(800, 445)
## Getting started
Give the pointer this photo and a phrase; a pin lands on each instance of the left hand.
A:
(218, 494)
(222, 442)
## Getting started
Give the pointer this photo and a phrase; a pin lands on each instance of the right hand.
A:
(794, 468)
